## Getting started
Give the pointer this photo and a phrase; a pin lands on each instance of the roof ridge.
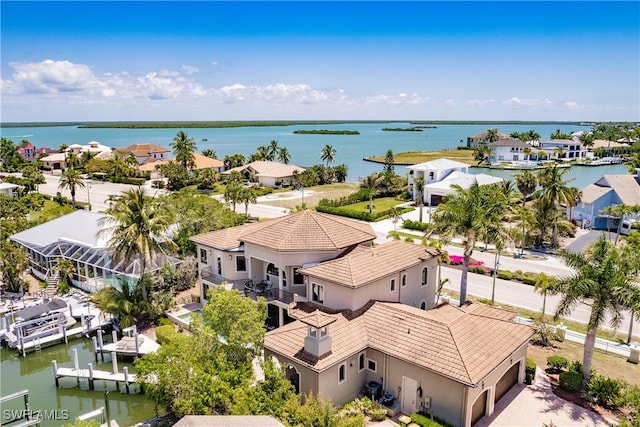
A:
(458, 352)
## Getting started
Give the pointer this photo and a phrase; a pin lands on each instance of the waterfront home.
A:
(509, 150)
(27, 151)
(269, 255)
(483, 137)
(92, 147)
(55, 161)
(58, 161)
(199, 162)
(271, 174)
(146, 152)
(609, 190)
(439, 176)
(75, 237)
(453, 362)
(563, 149)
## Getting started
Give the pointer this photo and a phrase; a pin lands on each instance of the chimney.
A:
(318, 341)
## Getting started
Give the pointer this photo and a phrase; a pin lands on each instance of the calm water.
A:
(305, 149)
(36, 374)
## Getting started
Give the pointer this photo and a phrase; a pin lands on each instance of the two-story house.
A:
(563, 149)
(146, 152)
(509, 150)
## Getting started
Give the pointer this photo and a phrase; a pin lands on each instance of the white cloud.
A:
(480, 102)
(51, 76)
(400, 99)
(188, 69)
(530, 102)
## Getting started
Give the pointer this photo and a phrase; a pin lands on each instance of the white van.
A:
(625, 227)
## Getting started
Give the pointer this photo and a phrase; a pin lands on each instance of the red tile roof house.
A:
(146, 152)
(318, 264)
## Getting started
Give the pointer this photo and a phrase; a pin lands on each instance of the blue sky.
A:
(163, 60)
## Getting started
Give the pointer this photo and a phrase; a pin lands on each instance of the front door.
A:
(409, 387)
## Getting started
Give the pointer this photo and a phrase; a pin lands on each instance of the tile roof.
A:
(268, 169)
(140, 150)
(225, 239)
(309, 231)
(201, 162)
(462, 343)
(509, 142)
(365, 265)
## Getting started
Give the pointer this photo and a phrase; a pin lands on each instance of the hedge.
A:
(530, 371)
(505, 275)
(364, 216)
(428, 421)
(415, 225)
(570, 380)
(557, 363)
(165, 334)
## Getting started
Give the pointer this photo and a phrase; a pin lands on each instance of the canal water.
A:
(64, 403)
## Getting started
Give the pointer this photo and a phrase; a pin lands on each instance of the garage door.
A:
(479, 408)
(507, 381)
(436, 199)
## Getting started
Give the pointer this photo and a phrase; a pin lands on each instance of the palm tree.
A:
(602, 280)
(559, 152)
(395, 216)
(284, 156)
(273, 150)
(463, 214)
(526, 182)
(208, 152)
(554, 191)
(545, 285)
(183, 149)
(418, 186)
(492, 135)
(482, 152)
(370, 185)
(622, 211)
(136, 228)
(71, 179)
(247, 195)
(233, 189)
(328, 154)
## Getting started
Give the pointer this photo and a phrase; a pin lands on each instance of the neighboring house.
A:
(55, 161)
(9, 189)
(273, 252)
(474, 140)
(146, 152)
(455, 362)
(228, 421)
(93, 147)
(572, 149)
(439, 175)
(610, 190)
(271, 174)
(509, 150)
(200, 162)
(74, 237)
(27, 151)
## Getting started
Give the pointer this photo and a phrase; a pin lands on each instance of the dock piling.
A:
(135, 339)
(95, 347)
(114, 362)
(126, 378)
(91, 376)
(76, 364)
(55, 372)
(100, 344)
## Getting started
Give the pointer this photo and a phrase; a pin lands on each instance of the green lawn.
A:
(51, 210)
(415, 157)
(381, 204)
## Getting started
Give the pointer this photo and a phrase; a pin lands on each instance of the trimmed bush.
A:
(606, 391)
(478, 269)
(530, 371)
(414, 225)
(529, 279)
(163, 321)
(570, 380)
(425, 420)
(557, 363)
(165, 334)
(576, 367)
(505, 275)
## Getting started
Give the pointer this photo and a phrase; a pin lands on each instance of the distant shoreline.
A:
(264, 123)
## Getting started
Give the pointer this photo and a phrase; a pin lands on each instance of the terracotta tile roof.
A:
(201, 162)
(309, 231)
(464, 344)
(140, 150)
(225, 239)
(317, 319)
(365, 265)
(509, 142)
(268, 169)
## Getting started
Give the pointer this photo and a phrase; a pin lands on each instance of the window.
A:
(423, 305)
(241, 263)
(425, 276)
(272, 270)
(203, 256)
(219, 266)
(403, 280)
(298, 278)
(284, 278)
(342, 373)
(318, 293)
(393, 285)
(372, 365)
(361, 362)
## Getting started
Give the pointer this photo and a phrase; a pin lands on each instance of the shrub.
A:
(165, 334)
(414, 225)
(529, 279)
(505, 275)
(478, 269)
(425, 420)
(157, 183)
(530, 371)
(606, 391)
(163, 321)
(557, 363)
(576, 367)
(570, 380)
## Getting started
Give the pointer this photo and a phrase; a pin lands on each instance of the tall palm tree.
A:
(208, 152)
(602, 280)
(284, 156)
(418, 186)
(136, 228)
(463, 214)
(328, 154)
(247, 195)
(622, 211)
(492, 135)
(554, 191)
(273, 150)
(71, 179)
(545, 285)
(183, 149)
(370, 185)
(526, 182)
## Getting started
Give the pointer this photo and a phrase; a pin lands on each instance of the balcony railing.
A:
(207, 275)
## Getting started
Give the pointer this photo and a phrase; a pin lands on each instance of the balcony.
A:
(209, 277)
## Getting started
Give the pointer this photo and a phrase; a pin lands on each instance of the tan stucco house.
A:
(271, 174)
(455, 362)
(146, 152)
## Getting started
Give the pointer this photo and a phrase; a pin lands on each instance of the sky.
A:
(312, 60)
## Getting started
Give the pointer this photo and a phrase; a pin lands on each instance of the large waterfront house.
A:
(453, 362)
(474, 140)
(200, 162)
(439, 177)
(58, 161)
(609, 190)
(146, 152)
(76, 237)
(509, 151)
(563, 149)
(271, 174)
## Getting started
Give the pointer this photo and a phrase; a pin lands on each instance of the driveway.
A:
(579, 244)
(535, 405)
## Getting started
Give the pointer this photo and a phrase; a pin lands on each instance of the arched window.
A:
(425, 276)
(423, 305)
(361, 362)
(342, 373)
